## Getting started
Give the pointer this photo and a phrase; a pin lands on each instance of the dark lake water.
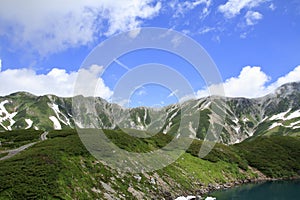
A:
(275, 190)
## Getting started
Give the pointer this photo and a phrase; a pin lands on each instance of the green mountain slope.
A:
(61, 168)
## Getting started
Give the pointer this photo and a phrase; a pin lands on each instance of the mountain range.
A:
(239, 118)
(56, 165)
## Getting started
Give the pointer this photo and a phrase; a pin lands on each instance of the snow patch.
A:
(185, 198)
(167, 128)
(280, 115)
(205, 106)
(6, 116)
(210, 198)
(145, 115)
(264, 119)
(294, 123)
(237, 141)
(237, 129)
(274, 125)
(56, 124)
(138, 119)
(293, 115)
(191, 129)
(245, 119)
(296, 127)
(250, 133)
(174, 114)
(236, 120)
(58, 114)
(29, 123)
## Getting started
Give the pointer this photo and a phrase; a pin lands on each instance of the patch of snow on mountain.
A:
(294, 123)
(191, 129)
(55, 108)
(205, 106)
(296, 127)
(79, 124)
(145, 115)
(245, 119)
(29, 123)
(174, 114)
(280, 115)
(167, 128)
(185, 198)
(56, 124)
(264, 119)
(237, 141)
(236, 120)
(6, 116)
(250, 133)
(138, 119)
(237, 129)
(210, 198)
(293, 115)
(274, 125)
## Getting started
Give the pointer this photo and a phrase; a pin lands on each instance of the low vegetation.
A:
(16, 138)
(275, 156)
(61, 167)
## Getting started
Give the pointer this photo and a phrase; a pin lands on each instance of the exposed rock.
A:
(135, 193)
(137, 177)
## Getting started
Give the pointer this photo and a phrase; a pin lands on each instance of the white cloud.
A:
(53, 26)
(232, 8)
(205, 30)
(252, 17)
(57, 81)
(272, 7)
(251, 83)
(293, 76)
(0, 65)
(181, 8)
(89, 83)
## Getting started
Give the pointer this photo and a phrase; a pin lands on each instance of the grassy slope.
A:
(61, 168)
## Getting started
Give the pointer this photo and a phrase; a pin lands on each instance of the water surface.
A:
(274, 190)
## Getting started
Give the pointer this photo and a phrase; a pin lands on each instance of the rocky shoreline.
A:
(205, 190)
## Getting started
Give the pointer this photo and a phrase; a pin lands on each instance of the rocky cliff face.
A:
(239, 118)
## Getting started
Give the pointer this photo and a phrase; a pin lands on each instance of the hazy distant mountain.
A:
(276, 113)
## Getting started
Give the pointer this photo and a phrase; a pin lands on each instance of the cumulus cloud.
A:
(293, 76)
(53, 26)
(252, 82)
(232, 8)
(252, 17)
(57, 81)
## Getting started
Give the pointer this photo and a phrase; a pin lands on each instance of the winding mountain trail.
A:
(13, 152)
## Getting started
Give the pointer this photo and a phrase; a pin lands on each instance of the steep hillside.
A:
(61, 168)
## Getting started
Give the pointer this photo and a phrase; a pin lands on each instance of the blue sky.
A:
(254, 43)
